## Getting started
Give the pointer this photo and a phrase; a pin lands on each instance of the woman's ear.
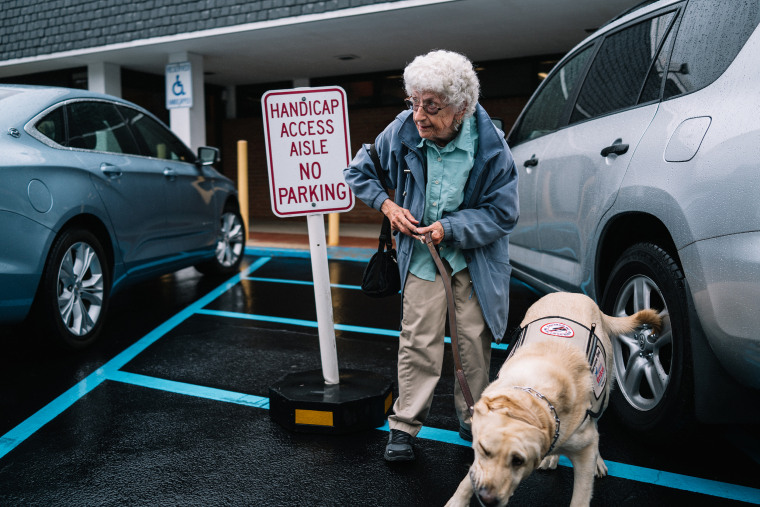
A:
(459, 116)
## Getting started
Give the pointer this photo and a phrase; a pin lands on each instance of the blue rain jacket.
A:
(480, 227)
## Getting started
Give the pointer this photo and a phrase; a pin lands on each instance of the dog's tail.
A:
(622, 325)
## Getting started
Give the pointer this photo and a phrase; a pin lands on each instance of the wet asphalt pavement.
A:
(171, 408)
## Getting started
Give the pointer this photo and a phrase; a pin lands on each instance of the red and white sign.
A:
(559, 329)
(308, 146)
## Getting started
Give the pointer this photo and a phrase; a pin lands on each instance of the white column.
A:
(189, 123)
(103, 77)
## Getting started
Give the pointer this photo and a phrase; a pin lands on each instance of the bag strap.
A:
(385, 230)
(378, 166)
(459, 369)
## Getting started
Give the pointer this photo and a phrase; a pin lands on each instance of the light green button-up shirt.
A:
(447, 172)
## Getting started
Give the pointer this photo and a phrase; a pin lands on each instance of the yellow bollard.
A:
(242, 155)
(333, 236)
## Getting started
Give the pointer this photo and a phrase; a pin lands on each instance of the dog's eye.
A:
(485, 451)
(517, 461)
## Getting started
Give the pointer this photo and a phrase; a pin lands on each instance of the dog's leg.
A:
(549, 462)
(584, 465)
(462, 495)
(601, 466)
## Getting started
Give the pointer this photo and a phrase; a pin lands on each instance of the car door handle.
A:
(532, 162)
(110, 170)
(171, 174)
(618, 148)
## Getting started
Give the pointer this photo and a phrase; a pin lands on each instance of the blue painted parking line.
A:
(619, 470)
(300, 282)
(172, 386)
(333, 252)
(313, 324)
(296, 322)
(111, 372)
(31, 425)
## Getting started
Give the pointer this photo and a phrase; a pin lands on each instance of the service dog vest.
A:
(560, 328)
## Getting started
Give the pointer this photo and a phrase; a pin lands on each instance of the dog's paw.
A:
(462, 495)
(550, 463)
(601, 467)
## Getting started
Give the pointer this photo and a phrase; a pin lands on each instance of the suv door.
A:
(531, 137)
(580, 171)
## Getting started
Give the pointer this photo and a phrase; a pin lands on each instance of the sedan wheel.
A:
(229, 247)
(652, 371)
(80, 289)
(75, 288)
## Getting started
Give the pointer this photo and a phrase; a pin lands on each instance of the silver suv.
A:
(639, 162)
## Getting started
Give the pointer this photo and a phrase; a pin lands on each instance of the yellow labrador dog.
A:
(546, 400)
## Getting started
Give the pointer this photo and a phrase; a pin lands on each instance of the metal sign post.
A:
(308, 147)
(323, 299)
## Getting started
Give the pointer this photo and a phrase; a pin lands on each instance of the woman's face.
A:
(439, 128)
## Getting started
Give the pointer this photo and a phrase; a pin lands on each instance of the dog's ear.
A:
(493, 403)
(510, 406)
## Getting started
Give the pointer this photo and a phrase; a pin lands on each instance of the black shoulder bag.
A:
(381, 277)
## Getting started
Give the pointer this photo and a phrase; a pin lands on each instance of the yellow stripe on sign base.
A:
(388, 402)
(314, 417)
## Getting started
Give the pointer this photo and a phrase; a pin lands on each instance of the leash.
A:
(452, 323)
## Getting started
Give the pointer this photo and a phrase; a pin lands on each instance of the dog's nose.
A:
(487, 498)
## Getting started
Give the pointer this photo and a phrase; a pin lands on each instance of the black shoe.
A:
(399, 446)
(465, 433)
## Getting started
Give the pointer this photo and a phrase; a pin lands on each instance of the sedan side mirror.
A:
(208, 155)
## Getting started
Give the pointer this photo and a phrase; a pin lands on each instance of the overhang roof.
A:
(354, 40)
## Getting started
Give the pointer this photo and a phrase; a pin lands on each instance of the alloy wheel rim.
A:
(80, 289)
(643, 362)
(229, 248)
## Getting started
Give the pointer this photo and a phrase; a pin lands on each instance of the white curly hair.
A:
(447, 74)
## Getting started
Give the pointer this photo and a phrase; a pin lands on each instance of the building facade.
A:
(240, 49)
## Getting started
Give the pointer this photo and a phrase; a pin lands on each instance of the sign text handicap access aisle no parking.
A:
(307, 144)
(308, 147)
(179, 85)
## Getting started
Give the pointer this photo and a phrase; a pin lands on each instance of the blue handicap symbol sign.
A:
(177, 88)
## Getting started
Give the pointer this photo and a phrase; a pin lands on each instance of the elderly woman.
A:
(453, 176)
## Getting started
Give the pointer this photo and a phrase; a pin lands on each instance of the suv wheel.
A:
(75, 289)
(229, 246)
(652, 373)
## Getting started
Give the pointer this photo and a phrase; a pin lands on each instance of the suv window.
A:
(98, 126)
(543, 114)
(653, 84)
(711, 35)
(617, 76)
(157, 140)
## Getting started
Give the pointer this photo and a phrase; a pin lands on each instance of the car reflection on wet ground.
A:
(171, 408)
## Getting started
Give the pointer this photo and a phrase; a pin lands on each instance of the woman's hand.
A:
(436, 230)
(401, 219)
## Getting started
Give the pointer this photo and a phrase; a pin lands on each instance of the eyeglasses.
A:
(429, 107)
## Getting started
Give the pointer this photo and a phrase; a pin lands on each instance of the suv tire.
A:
(653, 373)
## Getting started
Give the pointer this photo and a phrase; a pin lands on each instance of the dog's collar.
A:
(540, 396)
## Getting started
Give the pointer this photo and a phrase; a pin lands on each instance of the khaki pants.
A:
(421, 346)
